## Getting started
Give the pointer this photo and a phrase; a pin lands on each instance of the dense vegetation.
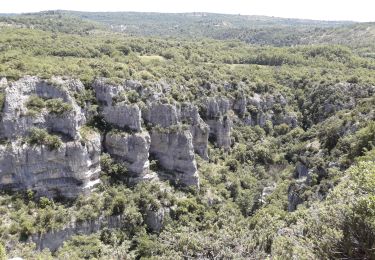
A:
(229, 217)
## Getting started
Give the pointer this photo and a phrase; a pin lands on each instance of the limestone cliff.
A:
(66, 170)
(174, 151)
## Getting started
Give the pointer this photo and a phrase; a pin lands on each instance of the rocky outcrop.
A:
(163, 115)
(53, 239)
(67, 170)
(301, 171)
(125, 116)
(17, 120)
(258, 109)
(154, 219)
(267, 191)
(199, 130)
(216, 115)
(294, 198)
(131, 149)
(166, 115)
(170, 146)
(106, 92)
(173, 149)
(323, 101)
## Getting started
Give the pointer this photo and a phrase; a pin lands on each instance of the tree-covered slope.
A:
(279, 141)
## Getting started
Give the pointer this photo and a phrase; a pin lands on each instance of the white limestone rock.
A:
(16, 121)
(126, 116)
(67, 171)
(131, 149)
(175, 153)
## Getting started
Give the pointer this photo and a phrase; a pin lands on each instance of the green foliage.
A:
(42, 137)
(82, 247)
(230, 216)
(35, 105)
(110, 167)
(2, 252)
(2, 100)
(58, 106)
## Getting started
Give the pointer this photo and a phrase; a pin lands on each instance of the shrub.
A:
(2, 252)
(58, 106)
(41, 137)
(111, 168)
(35, 105)
(133, 96)
(2, 100)
(82, 247)
(281, 129)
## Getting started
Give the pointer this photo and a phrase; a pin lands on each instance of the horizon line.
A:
(191, 12)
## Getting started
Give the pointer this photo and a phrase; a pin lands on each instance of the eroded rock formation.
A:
(66, 170)
(143, 124)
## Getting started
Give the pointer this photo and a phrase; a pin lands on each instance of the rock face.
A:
(155, 218)
(123, 116)
(220, 123)
(173, 149)
(166, 115)
(163, 115)
(175, 153)
(54, 239)
(198, 128)
(301, 171)
(256, 110)
(131, 149)
(106, 92)
(294, 198)
(17, 120)
(65, 171)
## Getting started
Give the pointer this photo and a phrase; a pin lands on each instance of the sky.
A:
(354, 10)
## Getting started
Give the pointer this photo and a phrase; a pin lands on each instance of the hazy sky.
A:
(357, 10)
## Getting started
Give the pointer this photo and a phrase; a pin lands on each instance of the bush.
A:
(58, 106)
(41, 137)
(133, 96)
(82, 247)
(35, 105)
(2, 100)
(281, 129)
(2, 252)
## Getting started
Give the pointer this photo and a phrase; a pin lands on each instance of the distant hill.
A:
(258, 30)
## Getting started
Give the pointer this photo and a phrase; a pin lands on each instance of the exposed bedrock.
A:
(124, 116)
(67, 171)
(216, 115)
(131, 149)
(166, 115)
(16, 116)
(175, 153)
(53, 239)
